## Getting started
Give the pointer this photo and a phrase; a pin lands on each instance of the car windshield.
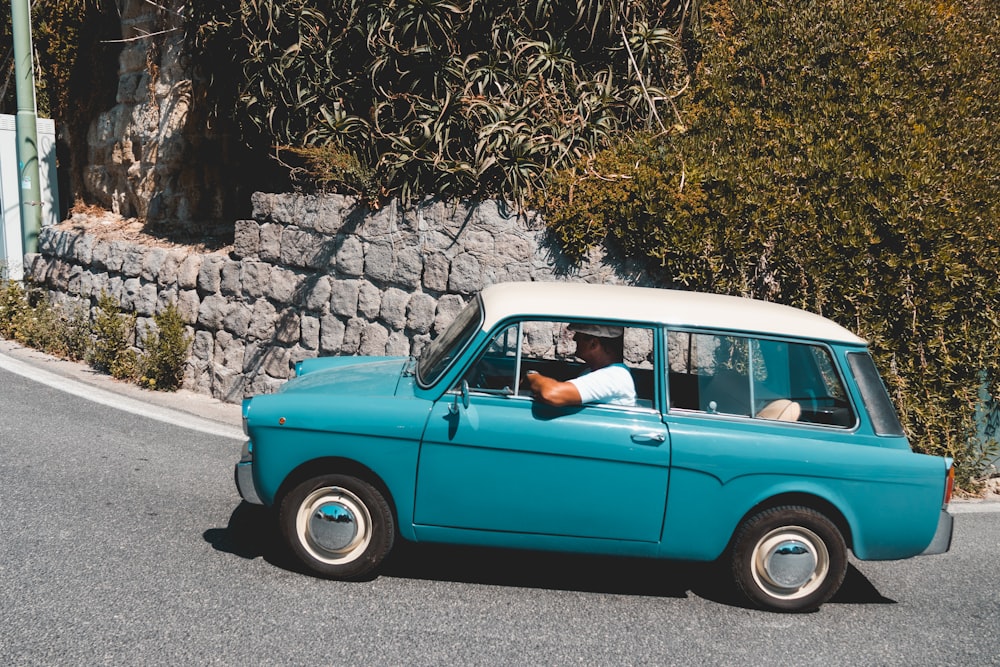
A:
(442, 351)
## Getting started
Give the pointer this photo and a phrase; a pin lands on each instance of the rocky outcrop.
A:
(151, 155)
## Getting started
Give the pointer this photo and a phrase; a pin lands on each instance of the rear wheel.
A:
(789, 559)
(338, 526)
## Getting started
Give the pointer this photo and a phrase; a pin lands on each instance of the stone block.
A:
(374, 339)
(352, 336)
(420, 312)
(164, 297)
(227, 384)
(350, 257)
(145, 303)
(83, 249)
(254, 278)
(398, 345)
(230, 278)
(270, 243)
(188, 305)
(262, 322)
(284, 285)
(203, 346)
(130, 294)
(436, 269)
(132, 260)
(393, 308)
(246, 239)
(448, 308)
(170, 268)
(305, 249)
(310, 333)
(344, 297)
(466, 275)
(99, 254)
(152, 261)
(210, 274)
(331, 336)
(288, 327)
(213, 311)
(237, 319)
(316, 293)
(369, 300)
(276, 362)
(116, 256)
(187, 272)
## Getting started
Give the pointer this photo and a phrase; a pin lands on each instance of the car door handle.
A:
(649, 438)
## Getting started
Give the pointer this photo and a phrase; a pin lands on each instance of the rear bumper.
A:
(942, 536)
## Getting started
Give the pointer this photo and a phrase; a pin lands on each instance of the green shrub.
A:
(41, 326)
(28, 317)
(14, 309)
(839, 157)
(113, 331)
(166, 348)
(440, 97)
(75, 331)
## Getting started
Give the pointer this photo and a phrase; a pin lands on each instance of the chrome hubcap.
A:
(790, 562)
(334, 525)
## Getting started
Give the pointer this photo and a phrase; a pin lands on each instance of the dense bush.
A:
(448, 97)
(27, 316)
(166, 347)
(840, 157)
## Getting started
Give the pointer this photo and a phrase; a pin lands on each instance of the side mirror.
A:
(453, 408)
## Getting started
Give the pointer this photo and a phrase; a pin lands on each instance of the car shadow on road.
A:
(252, 533)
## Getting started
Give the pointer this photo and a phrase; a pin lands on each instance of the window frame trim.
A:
(824, 345)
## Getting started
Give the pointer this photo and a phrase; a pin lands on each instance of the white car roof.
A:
(565, 300)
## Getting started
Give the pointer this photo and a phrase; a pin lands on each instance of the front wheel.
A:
(789, 559)
(338, 526)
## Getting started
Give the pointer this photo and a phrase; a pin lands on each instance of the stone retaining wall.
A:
(309, 276)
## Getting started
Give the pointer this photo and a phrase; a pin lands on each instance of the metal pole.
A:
(26, 127)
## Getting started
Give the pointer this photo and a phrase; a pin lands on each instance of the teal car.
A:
(760, 436)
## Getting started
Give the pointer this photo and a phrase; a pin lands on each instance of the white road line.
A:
(111, 399)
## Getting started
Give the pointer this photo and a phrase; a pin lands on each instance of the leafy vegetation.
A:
(837, 157)
(27, 316)
(76, 67)
(166, 348)
(113, 330)
(451, 97)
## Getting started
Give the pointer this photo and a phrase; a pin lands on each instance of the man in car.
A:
(607, 380)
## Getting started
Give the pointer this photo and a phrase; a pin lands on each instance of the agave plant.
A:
(452, 97)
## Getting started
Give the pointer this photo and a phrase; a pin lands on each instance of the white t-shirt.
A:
(612, 384)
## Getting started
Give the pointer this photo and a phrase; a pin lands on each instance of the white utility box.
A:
(11, 254)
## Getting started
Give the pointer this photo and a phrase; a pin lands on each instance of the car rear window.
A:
(756, 377)
(885, 421)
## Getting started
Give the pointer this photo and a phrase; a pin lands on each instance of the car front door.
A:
(493, 460)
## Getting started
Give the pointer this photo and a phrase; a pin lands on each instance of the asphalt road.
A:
(122, 541)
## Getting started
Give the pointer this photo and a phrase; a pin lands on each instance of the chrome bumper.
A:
(942, 537)
(244, 480)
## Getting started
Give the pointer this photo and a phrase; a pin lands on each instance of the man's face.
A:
(585, 344)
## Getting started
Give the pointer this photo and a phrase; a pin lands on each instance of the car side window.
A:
(548, 347)
(753, 377)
